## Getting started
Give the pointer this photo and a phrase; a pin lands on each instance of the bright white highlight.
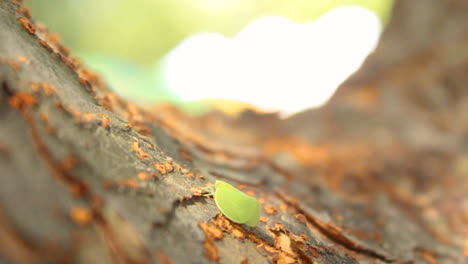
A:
(274, 63)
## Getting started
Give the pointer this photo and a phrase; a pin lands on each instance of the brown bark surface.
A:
(378, 175)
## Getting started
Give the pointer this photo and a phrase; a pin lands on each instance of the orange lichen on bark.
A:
(143, 175)
(261, 200)
(81, 215)
(105, 120)
(139, 151)
(264, 219)
(314, 251)
(22, 101)
(44, 117)
(169, 166)
(46, 45)
(211, 230)
(36, 87)
(211, 233)
(69, 162)
(27, 24)
(429, 256)
(238, 233)
(12, 63)
(89, 117)
(24, 60)
(301, 218)
(196, 191)
(222, 222)
(161, 168)
(48, 88)
(131, 183)
(77, 190)
(305, 153)
(283, 207)
(269, 209)
(211, 251)
(185, 154)
(24, 11)
(190, 174)
(367, 97)
(163, 257)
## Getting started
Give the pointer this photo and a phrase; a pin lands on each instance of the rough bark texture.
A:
(380, 174)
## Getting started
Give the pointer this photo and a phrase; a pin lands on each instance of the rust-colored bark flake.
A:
(201, 176)
(169, 166)
(241, 186)
(283, 207)
(24, 11)
(49, 89)
(22, 101)
(211, 230)
(69, 162)
(211, 233)
(197, 191)
(24, 60)
(238, 232)
(36, 87)
(185, 154)
(334, 232)
(301, 218)
(251, 192)
(163, 257)
(46, 45)
(89, 117)
(190, 174)
(269, 209)
(129, 183)
(77, 190)
(283, 242)
(222, 222)
(81, 215)
(429, 256)
(17, 3)
(27, 25)
(211, 251)
(245, 261)
(143, 175)
(314, 251)
(3, 149)
(284, 258)
(105, 120)
(305, 153)
(161, 168)
(261, 200)
(12, 63)
(139, 151)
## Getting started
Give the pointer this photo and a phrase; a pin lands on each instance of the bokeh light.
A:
(229, 54)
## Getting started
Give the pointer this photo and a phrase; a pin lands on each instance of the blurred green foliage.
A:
(143, 31)
(126, 39)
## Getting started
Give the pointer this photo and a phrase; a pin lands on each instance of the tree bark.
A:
(378, 175)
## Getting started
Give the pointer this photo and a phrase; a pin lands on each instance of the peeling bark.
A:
(378, 175)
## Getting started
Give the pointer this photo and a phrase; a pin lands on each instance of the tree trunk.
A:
(378, 175)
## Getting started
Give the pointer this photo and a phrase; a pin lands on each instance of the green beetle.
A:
(236, 205)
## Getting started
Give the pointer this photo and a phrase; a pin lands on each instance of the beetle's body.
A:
(236, 205)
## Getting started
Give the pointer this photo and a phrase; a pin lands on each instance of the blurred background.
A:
(270, 55)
